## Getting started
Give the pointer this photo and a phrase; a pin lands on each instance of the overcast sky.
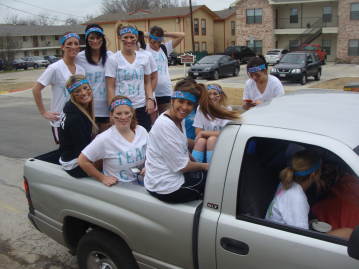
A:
(63, 9)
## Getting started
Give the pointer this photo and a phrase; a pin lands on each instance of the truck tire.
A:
(317, 76)
(215, 75)
(236, 72)
(304, 79)
(100, 249)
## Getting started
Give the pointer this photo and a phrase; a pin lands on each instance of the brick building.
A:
(268, 24)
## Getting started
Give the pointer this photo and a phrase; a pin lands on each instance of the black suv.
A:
(298, 66)
(240, 53)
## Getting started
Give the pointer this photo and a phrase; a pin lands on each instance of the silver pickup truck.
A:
(125, 227)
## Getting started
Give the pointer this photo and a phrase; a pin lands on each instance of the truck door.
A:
(245, 239)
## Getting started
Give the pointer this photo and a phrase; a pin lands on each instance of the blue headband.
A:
(77, 84)
(156, 38)
(307, 172)
(65, 37)
(120, 102)
(184, 95)
(214, 87)
(127, 30)
(257, 68)
(93, 29)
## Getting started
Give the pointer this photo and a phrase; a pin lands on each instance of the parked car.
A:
(316, 48)
(298, 66)
(123, 226)
(51, 58)
(36, 61)
(173, 58)
(214, 66)
(19, 64)
(2, 64)
(240, 53)
(273, 56)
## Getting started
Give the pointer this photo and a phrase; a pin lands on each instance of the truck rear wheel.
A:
(100, 249)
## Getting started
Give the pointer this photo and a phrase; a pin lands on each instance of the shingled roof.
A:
(36, 30)
(225, 13)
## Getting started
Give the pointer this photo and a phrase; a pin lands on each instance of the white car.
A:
(274, 56)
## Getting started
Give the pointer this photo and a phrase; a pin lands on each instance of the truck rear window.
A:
(356, 150)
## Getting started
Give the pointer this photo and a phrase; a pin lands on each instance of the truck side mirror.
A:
(353, 244)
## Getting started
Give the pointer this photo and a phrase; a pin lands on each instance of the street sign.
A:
(187, 58)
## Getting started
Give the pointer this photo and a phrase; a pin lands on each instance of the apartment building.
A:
(29, 40)
(267, 24)
(225, 29)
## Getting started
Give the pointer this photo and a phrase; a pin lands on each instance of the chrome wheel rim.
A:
(304, 79)
(216, 75)
(99, 260)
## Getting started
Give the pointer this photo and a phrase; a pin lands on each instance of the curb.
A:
(14, 91)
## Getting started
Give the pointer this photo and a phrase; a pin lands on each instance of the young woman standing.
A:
(121, 147)
(77, 124)
(128, 73)
(56, 75)
(171, 174)
(261, 87)
(93, 59)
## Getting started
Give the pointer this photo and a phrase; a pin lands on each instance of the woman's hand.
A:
(150, 106)
(143, 171)
(108, 180)
(52, 116)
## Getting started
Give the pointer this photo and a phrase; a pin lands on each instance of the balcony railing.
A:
(306, 22)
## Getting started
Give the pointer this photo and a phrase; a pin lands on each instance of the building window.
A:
(293, 44)
(44, 52)
(327, 14)
(293, 15)
(254, 15)
(203, 26)
(43, 38)
(353, 47)
(196, 46)
(58, 52)
(26, 53)
(326, 46)
(255, 45)
(57, 37)
(233, 43)
(196, 27)
(24, 38)
(233, 27)
(204, 46)
(354, 11)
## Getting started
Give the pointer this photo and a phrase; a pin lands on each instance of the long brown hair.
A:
(133, 123)
(209, 109)
(87, 111)
(301, 161)
(223, 96)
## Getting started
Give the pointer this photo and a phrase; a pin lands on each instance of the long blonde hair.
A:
(223, 97)
(301, 161)
(87, 111)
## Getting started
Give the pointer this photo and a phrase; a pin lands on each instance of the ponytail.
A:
(287, 177)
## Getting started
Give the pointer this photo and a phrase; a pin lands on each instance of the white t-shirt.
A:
(273, 89)
(289, 207)
(167, 153)
(95, 74)
(164, 85)
(152, 60)
(129, 77)
(118, 154)
(56, 75)
(200, 121)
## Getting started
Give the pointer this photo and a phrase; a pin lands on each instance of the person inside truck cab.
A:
(290, 204)
(208, 129)
(261, 86)
(171, 174)
(122, 147)
(77, 124)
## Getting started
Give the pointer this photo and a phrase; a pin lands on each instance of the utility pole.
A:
(190, 8)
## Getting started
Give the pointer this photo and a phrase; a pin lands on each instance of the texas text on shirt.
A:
(129, 77)
(167, 154)
(56, 75)
(95, 74)
(118, 154)
(273, 89)
(164, 85)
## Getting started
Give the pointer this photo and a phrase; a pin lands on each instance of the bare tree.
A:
(71, 21)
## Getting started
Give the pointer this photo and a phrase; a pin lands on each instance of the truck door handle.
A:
(234, 246)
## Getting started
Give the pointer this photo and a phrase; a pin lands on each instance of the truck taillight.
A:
(28, 197)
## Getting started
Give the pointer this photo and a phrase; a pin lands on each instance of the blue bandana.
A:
(184, 95)
(214, 87)
(156, 38)
(65, 37)
(256, 68)
(120, 102)
(307, 172)
(93, 29)
(77, 84)
(127, 30)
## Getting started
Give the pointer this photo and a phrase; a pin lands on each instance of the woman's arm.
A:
(177, 37)
(110, 85)
(194, 166)
(150, 104)
(92, 171)
(36, 92)
(154, 80)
